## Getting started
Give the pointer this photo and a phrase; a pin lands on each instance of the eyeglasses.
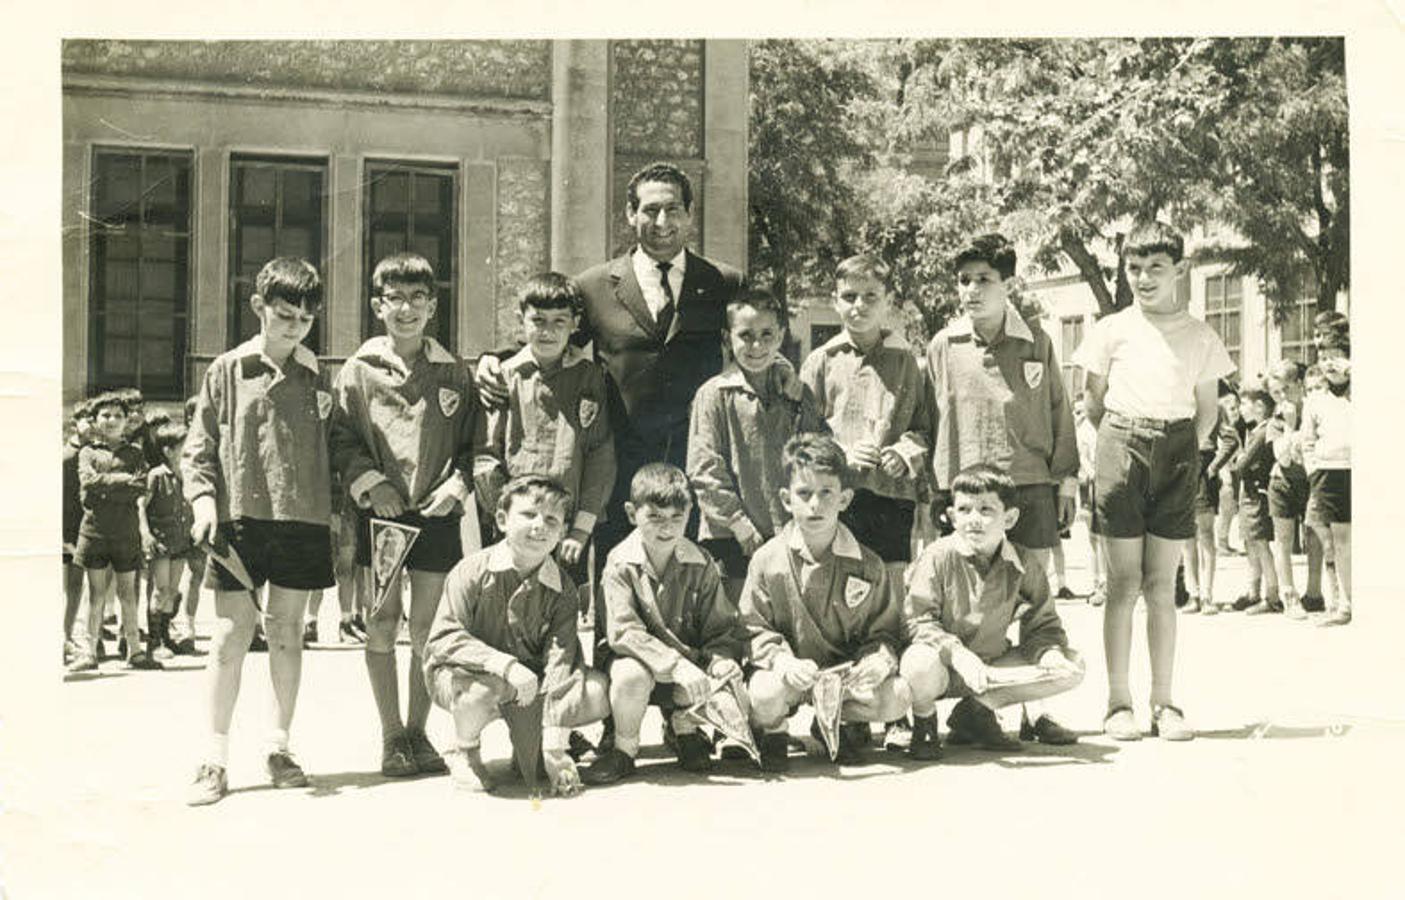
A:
(417, 300)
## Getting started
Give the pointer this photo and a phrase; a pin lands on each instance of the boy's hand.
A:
(972, 671)
(492, 386)
(868, 673)
(204, 518)
(724, 669)
(1055, 660)
(523, 682)
(573, 546)
(385, 500)
(799, 674)
(1067, 509)
(148, 542)
(893, 464)
(442, 501)
(864, 455)
(561, 772)
(691, 680)
(748, 538)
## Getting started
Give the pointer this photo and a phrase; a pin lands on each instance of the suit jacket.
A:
(654, 375)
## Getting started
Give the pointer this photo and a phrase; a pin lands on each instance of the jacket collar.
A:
(1007, 551)
(523, 359)
(631, 550)
(845, 544)
(1015, 325)
(301, 355)
(734, 378)
(380, 346)
(500, 560)
(840, 341)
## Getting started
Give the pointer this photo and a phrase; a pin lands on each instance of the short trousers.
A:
(729, 555)
(1331, 495)
(449, 682)
(1037, 528)
(1147, 471)
(1287, 498)
(123, 553)
(882, 524)
(293, 555)
(169, 543)
(1255, 523)
(437, 549)
(1207, 487)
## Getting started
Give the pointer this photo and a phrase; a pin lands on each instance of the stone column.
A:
(580, 154)
(726, 84)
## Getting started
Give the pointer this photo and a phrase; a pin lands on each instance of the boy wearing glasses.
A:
(402, 442)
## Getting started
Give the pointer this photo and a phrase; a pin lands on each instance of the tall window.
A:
(277, 207)
(140, 275)
(410, 207)
(1224, 311)
(1071, 335)
(1297, 328)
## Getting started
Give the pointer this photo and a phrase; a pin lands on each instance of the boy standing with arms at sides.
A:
(741, 420)
(111, 476)
(1326, 441)
(1086, 434)
(669, 621)
(1254, 465)
(402, 443)
(814, 598)
(258, 480)
(165, 518)
(963, 593)
(1152, 379)
(505, 631)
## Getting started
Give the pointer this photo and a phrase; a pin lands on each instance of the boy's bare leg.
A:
(381, 631)
(425, 591)
(1283, 533)
(1207, 555)
(1124, 582)
(1264, 552)
(99, 586)
(1060, 580)
(72, 596)
(630, 686)
(235, 617)
(1190, 553)
(1313, 545)
(1341, 549)
(283, 627)
(126, 583)
(1159, 557)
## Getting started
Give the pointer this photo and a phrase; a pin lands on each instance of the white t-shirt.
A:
(1153, 363)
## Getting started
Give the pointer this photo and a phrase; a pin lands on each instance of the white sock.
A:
(218, 751)
(278, 740)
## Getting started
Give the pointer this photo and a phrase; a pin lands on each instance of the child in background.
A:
(1254, 465)
(1201, 554)
(1288, 488)
(188, 600)
(76, 655)
(1230, 441)
(1326, 442)
(165, 520)
(1087, 436)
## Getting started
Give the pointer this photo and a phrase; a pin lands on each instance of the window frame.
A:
(1221, 311)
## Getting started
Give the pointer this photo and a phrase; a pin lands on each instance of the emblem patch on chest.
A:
(589, 409)
(1034, 375)
(856, 591)
(448, 402)
(324, 405)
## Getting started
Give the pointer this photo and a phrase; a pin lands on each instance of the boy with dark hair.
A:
(505, 632)
(669, 621)
(165, 519)
(1254, 466)
(76, 656)
(815, 598)
(1288, 488)
(402, 443)
(256, 473)
(1152, 380)
(1326, 442)
(963, 594)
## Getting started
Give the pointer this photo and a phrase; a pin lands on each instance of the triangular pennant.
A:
(390, 545)
(524, 731)
(723, 711)
(223, 552)
(827, 697)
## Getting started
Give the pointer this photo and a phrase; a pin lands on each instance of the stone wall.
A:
(523, 234)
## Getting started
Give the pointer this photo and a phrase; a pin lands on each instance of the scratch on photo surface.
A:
(125, 133)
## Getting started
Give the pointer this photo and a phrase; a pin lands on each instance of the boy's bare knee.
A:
(381, 632)
(767, 694)
(629, 677)
(922, 668)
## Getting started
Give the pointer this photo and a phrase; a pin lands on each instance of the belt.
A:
(1142, 422)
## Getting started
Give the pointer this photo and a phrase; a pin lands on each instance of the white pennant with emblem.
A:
(1034, 374)
(588, 411)
(856, 591)
(324, 404)
(448, 401)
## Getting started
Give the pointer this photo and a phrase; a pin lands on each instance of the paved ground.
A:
(1292, 787)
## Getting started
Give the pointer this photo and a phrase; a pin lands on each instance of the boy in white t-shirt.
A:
(1151, 390)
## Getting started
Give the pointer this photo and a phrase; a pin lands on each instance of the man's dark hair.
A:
(660, 171)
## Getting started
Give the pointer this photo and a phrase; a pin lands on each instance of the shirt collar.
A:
(1007, 552)
(525, 361)
(734, 378)
(301, 355)
(500, 560)
(643, 262)
(381, 346)
(845, 544)
(891, 340)
(1015, 325)
(631, 550)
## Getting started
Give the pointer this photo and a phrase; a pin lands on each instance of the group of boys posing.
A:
(805, 482)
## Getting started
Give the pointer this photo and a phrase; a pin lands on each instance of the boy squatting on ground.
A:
(962, 595)
(670, 623)
(505, 630)
(258, 480)
(741, 420)
(402, 442)
(1152, 382)
(815, 597)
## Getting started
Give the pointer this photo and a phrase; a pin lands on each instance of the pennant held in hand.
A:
(828, 699)
(390, 547)
(724, 710)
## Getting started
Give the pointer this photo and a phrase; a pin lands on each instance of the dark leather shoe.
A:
(1046, 731)
(613, 765)
(972, 723)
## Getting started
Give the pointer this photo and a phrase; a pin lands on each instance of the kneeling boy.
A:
(505, 631)
(963, 593)
(669, 623)
(815, 597)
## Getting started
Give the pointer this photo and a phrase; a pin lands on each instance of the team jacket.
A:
(258, 440)
(490, 617)
(554, 424)
(1254, 465)
(880, 395)
(413, 428)
(1001, 403)
(109, 480)
(842, 609)
(658, 618)
(735, 440)
(949, 603)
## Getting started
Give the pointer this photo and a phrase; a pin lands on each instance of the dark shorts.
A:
(1207, 487)
(170, 543)
(437, 549)
(1146, 478)
(293, 555)
(122, 553)
(1037, 528)
(1255, 523)
(1331, 495)
(882, 524)
(729, 555)
(1287, 498)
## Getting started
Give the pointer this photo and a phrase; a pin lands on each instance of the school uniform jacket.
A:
(490, 616)
(554, 424)
(842, 609)
(735, 440)
(1255, 463)
(258, 440)
(949, 603)
(108, 489)
(658, 618)
(880, 396)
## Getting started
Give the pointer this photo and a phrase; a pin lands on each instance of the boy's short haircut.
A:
(107, 399)
(1337, 340)
(129, 397)
(540, 486)
(1313, 371)
(665, 172)
(1331, 318)
(1288, 370)
(984, 478)
(660, 484)
(82, 411)
(292, 280)
(759, 299)
(864, 265)
(993, 249)
(815, 453)
(1259, 395)
(551, 290)
(168, 434)
(403, 268)
(1147, 238)
(157, 417)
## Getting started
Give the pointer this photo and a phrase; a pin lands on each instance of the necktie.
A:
(665, 313)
